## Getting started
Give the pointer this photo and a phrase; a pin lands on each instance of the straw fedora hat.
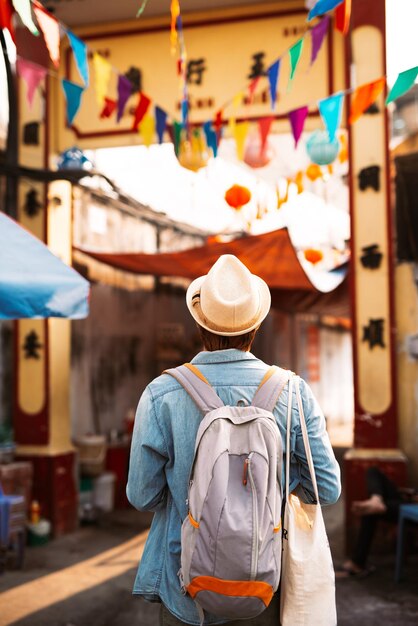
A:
(228, 300)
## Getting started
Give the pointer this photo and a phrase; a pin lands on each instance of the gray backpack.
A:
(231, 540)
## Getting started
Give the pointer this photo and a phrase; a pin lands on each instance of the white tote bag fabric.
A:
(307, 596)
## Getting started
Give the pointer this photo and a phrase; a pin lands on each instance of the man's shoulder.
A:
(163, 385)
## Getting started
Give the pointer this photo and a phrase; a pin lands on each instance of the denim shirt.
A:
(166, 425)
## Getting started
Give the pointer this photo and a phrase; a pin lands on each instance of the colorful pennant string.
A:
(124, 93)
(108, 109)
(103, 72)
(297, 121)
(160, 122)
(331, 111)
(294, 54)
(80, 54)
(6, 13)
(23, 9)
(32, 74)
(323, 6)
(318, 33)
(240, 133)
(363, 97)
(403, 83)
(141, 109)
(73, 95)
(51, 32)
(273, 76)
(342, 17)
(147, 129)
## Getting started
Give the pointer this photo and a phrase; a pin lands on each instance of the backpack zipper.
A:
(254, 552)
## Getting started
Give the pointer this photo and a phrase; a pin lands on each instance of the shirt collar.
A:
(223, 356)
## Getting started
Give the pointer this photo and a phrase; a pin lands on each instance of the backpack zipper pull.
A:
(245, 472)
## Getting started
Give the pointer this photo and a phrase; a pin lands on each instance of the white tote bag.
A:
(307, 596)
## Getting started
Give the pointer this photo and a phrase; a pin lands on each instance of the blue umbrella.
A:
(34, 282)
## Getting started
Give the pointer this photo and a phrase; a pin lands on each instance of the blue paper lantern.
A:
(320, 149)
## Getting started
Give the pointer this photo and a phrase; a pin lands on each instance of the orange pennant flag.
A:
(364, 96)
(51, 31)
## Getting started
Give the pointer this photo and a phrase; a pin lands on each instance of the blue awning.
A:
(33, 281)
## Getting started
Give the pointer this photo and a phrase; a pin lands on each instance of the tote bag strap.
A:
(304, 436)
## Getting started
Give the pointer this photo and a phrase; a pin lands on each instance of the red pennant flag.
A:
(6, 13)
(141, 109)
(109, 108)
(264, 126)
(252, 87)
(218, 124)
(342, 17)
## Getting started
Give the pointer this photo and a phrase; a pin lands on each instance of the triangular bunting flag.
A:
(51, 31)
(318, 33)
(403, 83)
(160, 122)
(103, 72)
(252, 87)
(273, 76)
(184, 111)
(297, 121)
(147, 129)
(264, 126)
(141, 109)
(364, 96)
(32, 74)
(175, 12)
(80, 55)
(211, 139)
(342, 17)
(73, 95)
(124, 93)
(236, 102)
(6, 13)
(218, 125)
(323, 6)
(240, 134)
(177, 128)
(331, 110)
(294, 54)
(23, 8)
(108, 109)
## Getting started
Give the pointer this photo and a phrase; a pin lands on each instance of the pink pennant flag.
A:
(297, 121)
(51, 31)
(32, 74)
(264, 126)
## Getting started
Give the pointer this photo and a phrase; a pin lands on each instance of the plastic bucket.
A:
(91, 454)
(104, 492)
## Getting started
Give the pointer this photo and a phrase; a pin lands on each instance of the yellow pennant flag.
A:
(240, 134)
(236, 102)
(103, 72)
(147, 129)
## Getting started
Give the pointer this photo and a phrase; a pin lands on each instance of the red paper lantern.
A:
(313, 256)
(237, 196)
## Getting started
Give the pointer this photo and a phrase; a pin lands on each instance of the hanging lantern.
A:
(237, 196)
(320, 149)
(254, 155)
(313, 172)
(193, 153)
(313, 256)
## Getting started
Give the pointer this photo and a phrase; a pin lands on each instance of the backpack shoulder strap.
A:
(197, 386)
(270, 388)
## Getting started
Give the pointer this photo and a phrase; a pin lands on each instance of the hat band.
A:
(216, 327)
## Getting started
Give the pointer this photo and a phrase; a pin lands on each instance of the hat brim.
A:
(265, 304)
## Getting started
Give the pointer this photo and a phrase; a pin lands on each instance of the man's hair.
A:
(213, 342)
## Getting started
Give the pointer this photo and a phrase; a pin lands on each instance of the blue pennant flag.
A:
(331, 110)
(211, 139)
(273, 76)
(160, 122)
(184, 111)
(80, 54)
(323, 6)
(73, 95)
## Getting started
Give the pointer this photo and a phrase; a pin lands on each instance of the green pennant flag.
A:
(294, 54)
(403, 83)
(177, 128)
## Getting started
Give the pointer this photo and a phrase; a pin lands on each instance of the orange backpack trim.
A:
(238, 588)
